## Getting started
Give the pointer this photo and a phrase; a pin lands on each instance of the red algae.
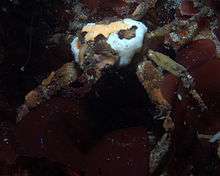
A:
(208, 84)
(92, 4)
(188, 150)
(190, 122)
(196, 53)
(47, 132)
(97, 5)
(200, 58)
(169, 87)
(119, 8)
(187, 8)
(215, 4)
(123, 152)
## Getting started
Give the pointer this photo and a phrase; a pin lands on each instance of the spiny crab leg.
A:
(57, 80)
(142, 8)
(150, 77)
(175, 25)
(178, 70)
(166, 63)
(90, 76)
(61, 79)
(159, 152)
(140, 11)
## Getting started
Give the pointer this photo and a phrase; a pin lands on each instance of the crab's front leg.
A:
(90, 76)
(178, 70)
(142, 9)
(151, 78)
(57, 80)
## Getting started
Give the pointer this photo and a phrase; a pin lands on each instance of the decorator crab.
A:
(115, 42)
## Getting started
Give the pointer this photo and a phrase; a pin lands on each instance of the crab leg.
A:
(189, 24)
(89, 77)
(178, 70)
(49, 86)
(61, 79)
(142, 8)
(150, 77)
(159, 152)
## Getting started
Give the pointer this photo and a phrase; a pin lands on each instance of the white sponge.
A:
(75, 49)
(126, 48)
